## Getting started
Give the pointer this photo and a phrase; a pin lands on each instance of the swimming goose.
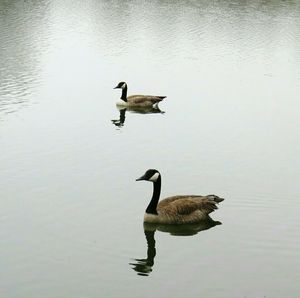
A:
(177, 209)
(137, 100)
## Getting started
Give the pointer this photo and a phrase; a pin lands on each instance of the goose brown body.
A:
(183, 209)
(142, 100)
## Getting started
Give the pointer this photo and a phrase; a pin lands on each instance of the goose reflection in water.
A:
(143, 267)
(138, 110)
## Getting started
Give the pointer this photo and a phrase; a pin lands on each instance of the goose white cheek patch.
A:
(123, 86)
(154, 177)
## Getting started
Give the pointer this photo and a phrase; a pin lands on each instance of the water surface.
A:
(71, 211)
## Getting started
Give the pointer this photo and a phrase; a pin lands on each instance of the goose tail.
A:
(216, 198)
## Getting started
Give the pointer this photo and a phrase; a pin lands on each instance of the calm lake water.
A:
(71, 216)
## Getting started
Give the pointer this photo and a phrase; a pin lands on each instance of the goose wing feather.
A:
(139, 99)
(185, 205)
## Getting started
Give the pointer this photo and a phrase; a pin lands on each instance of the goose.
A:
(182, 209)
(137, 100)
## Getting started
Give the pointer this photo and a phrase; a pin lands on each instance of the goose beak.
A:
(141, 178)
(116, 87)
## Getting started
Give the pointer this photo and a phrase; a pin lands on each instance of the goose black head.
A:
(151, 175)
(121, 85)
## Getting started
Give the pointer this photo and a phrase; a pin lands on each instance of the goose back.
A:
(143, 100)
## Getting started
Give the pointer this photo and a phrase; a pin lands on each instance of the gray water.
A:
(71, 216)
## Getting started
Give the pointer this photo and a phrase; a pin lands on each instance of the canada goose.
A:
(177, 209)
(137, 100)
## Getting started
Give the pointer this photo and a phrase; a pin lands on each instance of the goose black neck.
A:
(124, 94)
(155, 197)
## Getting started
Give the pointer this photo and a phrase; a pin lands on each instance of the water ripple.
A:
(22, 44)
